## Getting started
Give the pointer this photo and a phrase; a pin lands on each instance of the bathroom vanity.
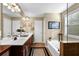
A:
(19, 47)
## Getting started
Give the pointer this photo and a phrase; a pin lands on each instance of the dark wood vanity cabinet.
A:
(22, 50)
(4, 50)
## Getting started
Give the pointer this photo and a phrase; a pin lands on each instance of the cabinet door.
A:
(24, 51)
(27, 51)
(30, 41)
(6, 53)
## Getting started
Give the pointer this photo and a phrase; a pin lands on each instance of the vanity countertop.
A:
(19, 41)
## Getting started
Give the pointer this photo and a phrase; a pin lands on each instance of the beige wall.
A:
(0, 20)
(50, 32)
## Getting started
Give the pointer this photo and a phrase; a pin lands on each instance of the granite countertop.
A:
(19, 41)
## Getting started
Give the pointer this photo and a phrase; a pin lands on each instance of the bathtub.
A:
(54, 47)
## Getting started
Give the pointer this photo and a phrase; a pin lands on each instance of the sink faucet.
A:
(15, 38)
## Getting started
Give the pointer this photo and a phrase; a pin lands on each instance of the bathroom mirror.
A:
(11, 20)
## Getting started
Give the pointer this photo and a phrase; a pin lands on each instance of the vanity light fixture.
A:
(12, 6)
(25, 18)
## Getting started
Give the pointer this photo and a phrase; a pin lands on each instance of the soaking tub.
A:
(54, 47)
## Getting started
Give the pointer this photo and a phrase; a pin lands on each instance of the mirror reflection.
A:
(11, 20)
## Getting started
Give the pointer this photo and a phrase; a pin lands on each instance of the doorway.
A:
(38, 31)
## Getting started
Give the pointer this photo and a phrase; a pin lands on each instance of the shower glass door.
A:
(71, 24)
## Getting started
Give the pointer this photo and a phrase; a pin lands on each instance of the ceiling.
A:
(38, 9)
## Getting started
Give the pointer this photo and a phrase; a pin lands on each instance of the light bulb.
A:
(12, 10)
(9, 7)
(27, 18)
(23, 18)
(13, 4)
(19, 10)
(16, 7)
(5, 4)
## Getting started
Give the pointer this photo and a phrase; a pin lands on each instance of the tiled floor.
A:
(38, 49)
(38, 45)
(37, 52)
